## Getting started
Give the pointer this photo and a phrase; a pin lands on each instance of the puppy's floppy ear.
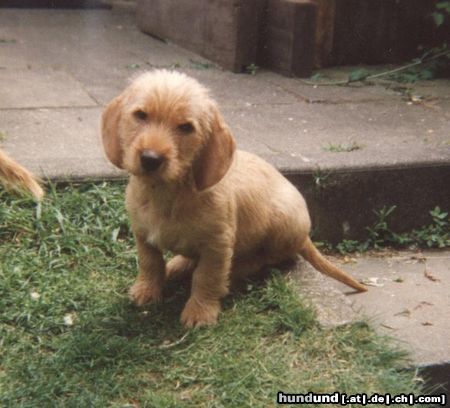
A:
(216, 156)
(110, 131)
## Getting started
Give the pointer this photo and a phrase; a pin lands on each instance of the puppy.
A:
(225, 213)
(17, 177)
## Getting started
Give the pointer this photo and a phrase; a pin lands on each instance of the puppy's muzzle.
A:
(151, 161)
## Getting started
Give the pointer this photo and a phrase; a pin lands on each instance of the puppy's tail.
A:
(17, 177)
(316, 259)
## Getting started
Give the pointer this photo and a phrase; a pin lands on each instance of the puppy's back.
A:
(266, 202)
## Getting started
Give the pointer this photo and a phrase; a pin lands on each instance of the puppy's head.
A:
(164, 126)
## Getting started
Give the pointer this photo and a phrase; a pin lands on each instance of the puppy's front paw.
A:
(197, 313)
(143, 292)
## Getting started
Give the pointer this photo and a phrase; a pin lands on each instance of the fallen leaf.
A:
(69, 319)
(373, 282)
(35, 295)
(423, 303)
(427, 324)
(419, 257)
(430, 276)
(347, 259)
(405, 312)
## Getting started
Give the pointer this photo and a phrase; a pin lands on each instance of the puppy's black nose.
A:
(150, 160)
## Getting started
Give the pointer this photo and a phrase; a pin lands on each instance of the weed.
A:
(133, 66)
(320, 178)
(201, 65)
(252, 69)
(442, 11)
(345, 147)
(434, 235)
(347, 246)
(380, 234)
(3, 136)
(359, 74)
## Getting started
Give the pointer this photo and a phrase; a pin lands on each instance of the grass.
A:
(69, 336)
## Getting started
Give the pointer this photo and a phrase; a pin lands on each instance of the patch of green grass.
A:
(69, 336)
(342, 147)
(201, 65)
(3, 136)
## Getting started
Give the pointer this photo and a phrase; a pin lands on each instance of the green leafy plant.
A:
(320, 178)
(380, 234)
(251, 69)
(347, 246)
(442, 9)
(434, 235)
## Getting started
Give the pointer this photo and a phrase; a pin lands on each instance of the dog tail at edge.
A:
(316, 259)
(17, 177)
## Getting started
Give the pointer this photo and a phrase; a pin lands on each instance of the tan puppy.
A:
(17, 177)
(225, 213)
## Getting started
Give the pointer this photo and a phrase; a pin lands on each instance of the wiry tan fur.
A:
(225, 213)
(13, 175)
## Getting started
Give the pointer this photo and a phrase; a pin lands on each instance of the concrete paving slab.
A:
(408, 299)
(389, 134)
(99, 48)
(428, 90)
(227, 89)
(21, 89)
(333, 308)
(46, 139)
(311, 92)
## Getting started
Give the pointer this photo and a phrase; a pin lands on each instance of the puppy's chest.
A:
(163, 231)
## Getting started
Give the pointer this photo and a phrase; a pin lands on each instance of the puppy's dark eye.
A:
(186, 128)
(140, 115)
